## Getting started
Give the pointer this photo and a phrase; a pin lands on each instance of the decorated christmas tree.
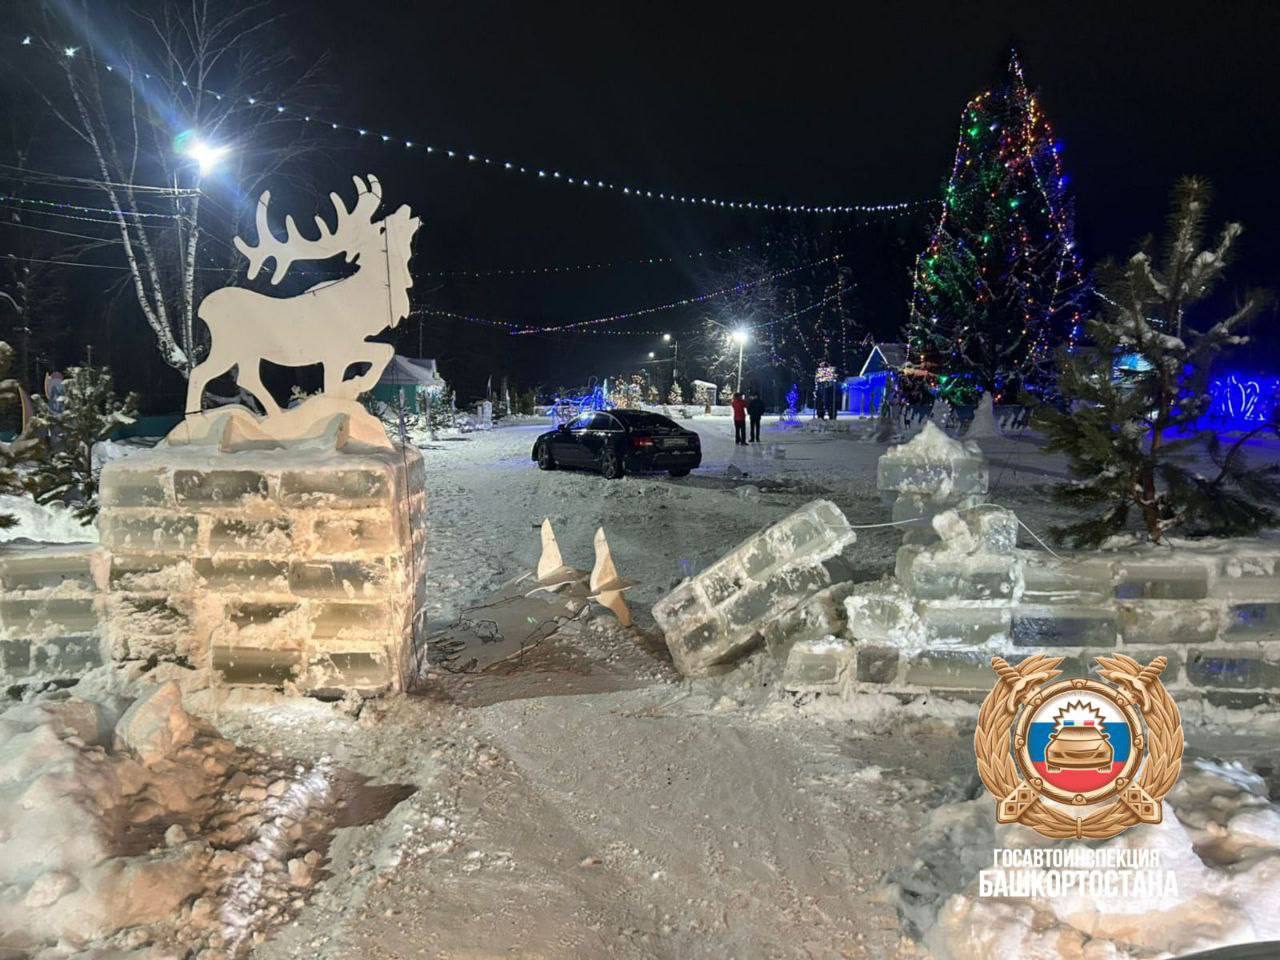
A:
(1134, 433)
(86, 415)
(1000, 284)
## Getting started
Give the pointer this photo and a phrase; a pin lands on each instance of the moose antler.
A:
(343, 239)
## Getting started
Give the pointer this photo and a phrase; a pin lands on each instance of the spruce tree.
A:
(1136, 441)
(88, 413)
(1000, 283)
(676, 396)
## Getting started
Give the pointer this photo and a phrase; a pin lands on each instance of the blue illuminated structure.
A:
(1244, 399)
(567, 407)
(865, 392)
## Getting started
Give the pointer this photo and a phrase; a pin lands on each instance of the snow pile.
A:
(932, 445)
(46, 523)
(125, 823)
(1220, 838)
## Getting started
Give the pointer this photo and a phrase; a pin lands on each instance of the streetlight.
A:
(652, 354)
(206, 155)
(740, 337)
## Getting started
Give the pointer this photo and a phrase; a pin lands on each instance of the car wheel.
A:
(678, 473)
(545, 460)
(611, 466)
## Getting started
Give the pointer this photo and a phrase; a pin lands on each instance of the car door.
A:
(566, 445)
(601, 432)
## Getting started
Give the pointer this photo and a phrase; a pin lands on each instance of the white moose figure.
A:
(326, 324)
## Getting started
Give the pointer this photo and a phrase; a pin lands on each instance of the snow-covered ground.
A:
(584, 801)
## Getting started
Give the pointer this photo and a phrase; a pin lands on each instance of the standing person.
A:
(755, 410)
(739, 420)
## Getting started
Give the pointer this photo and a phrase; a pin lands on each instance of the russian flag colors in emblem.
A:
(1078, 741)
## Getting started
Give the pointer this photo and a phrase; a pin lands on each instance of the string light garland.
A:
(1000, 282)
(530, 171)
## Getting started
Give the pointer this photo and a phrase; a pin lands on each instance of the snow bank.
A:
(46, 523)
(1220, 837)
(119, 811)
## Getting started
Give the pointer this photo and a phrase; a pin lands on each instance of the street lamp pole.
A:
(741, 336)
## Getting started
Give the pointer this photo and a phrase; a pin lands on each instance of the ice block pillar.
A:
(928, 475)
(291, 566)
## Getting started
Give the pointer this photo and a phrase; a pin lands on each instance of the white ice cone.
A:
(550, 561)
(606, 586)
(604, 574)
(553, 573)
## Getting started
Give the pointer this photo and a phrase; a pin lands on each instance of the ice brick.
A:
(977, 576)
(1168, 621)
(151, 532)
(1165, 581)
(125, 486)
(341, 488)
(225, 488)
(1063, 626)
(1243, 669)
(881, 611)
(965, 625)
(877, 664)
(818, 665)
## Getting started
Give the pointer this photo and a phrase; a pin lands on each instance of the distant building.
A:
(416, 376)
(864, 393)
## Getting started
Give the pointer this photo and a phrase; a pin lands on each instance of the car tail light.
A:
(641, 442)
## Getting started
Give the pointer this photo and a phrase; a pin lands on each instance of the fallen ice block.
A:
(721, 613)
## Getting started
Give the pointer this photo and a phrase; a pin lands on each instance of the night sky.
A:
(804, 103)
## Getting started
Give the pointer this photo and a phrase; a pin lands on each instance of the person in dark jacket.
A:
(755, 410)
(739, 405)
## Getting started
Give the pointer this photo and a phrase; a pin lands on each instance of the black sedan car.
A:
(618, 442)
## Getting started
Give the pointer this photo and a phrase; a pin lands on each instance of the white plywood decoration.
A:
(328, 325)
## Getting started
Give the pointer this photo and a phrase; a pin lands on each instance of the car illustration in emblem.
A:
(1078, 748)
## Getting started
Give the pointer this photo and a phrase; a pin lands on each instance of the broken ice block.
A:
(933, 464)
(722, 613)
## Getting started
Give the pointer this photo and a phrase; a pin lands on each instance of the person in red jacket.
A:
(739, 405)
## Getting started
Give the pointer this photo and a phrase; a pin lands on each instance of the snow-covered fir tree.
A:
(676, 396)
(87, 414)
(1136, 441)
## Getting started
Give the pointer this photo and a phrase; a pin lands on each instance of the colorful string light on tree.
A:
(1000, 284)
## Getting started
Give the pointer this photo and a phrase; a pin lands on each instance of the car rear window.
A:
(639, 420)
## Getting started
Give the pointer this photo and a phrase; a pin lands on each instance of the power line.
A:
(63, 179)
(42, 202)
(524, 329)
(61, 233)
(591, 266)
